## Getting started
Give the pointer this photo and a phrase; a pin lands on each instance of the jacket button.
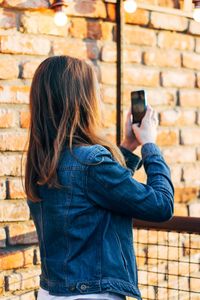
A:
(83, 286)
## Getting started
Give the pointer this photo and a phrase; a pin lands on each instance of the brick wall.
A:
(161, 55)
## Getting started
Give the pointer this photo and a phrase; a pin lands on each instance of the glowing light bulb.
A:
(60, 18)
(196, 14)
(130, 6)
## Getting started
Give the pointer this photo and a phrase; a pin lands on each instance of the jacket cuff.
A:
(150, 149)
(133, 161)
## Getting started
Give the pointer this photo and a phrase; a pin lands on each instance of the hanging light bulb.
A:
(196, 11)
(130, 6)
(60, 17)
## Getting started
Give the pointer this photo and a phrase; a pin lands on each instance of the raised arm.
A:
(111, 186)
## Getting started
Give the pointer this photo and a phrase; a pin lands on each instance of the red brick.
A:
(2, 238)
(131, 53)
(26, 4)
(13, 141)
(111, 11)
(82, 28)
(16, 258)
(109, 53)
(179, 154)
(141, 76)
(16, 190)
(10, 164)
(6, 94)
(8, 118)
(70, 46)
(107, 31)
(2, 188)
(108, 94)
(41, 23)
(14, 93)
(24, 119)
(194, 209)
(8, 67)
(194, 27)
(86, 8)
(162, 58)
(139, 36)
(190, 98)
(190, 136)
(23, 279)
(22, 93)
(93, 30)
(162, 96)
(180, 210)
(108, 115)
(167, 39)
(29, 67)
(191, 173)
(176, 172)
(25, 44)
(78, 28)
(37, 256)
(197, 47)
(191, 60)
(139, 17)
(8, 19)
(140, 176)
(11, 260)
(26, 295)
(14, 210)
(166, 21)
(177, 117)
(22, 233)
(167, 137)
(96, 30)
(108, 73)
(185, 193)
(178, 79)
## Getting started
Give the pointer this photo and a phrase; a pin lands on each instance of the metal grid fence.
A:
(168, 258)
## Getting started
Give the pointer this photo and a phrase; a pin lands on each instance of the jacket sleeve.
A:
(132, 160)
(111, 186)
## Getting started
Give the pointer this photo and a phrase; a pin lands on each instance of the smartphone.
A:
(138, 105)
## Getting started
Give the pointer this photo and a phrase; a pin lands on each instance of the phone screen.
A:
(138, 105)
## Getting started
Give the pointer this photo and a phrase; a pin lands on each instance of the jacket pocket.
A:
(122, 254)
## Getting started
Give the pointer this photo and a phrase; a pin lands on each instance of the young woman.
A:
(80, 187)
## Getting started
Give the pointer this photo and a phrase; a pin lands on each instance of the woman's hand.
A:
(129, 142)
(147, 132)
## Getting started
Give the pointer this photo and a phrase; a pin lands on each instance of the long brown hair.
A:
(64, 111)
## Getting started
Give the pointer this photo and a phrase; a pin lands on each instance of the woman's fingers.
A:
(128, 116)
(155, 117)
(148, 112)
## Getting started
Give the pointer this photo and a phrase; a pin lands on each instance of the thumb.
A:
(135, 127)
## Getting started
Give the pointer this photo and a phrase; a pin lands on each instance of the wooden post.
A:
(120, 42)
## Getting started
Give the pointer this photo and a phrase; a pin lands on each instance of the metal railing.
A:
(168, 258)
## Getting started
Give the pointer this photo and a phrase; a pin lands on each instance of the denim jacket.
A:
(85, 229)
